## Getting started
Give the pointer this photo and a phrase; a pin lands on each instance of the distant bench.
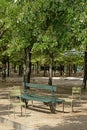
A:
(34, 94)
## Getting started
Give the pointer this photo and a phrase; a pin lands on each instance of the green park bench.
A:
(48, 99)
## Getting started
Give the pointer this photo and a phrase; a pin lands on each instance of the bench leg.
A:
(53, 107)
(26, 103)
(63, 106)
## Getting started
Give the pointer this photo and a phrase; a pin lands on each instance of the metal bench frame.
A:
(51, 100)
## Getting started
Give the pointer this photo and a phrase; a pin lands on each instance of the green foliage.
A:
(77, 18)
(45, 26)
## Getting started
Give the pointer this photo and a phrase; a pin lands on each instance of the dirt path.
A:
(39, 116)
(5, 127)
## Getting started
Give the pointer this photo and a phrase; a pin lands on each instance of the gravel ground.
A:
(5, 127)
(39, 116)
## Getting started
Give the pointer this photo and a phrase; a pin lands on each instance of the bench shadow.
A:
(39, 109)
(43, 109)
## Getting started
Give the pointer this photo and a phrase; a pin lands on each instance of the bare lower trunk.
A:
(85, 71)
(50, 70)
(27, 71)
(3, 71)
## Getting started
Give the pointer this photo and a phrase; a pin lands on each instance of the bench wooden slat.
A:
(37, 98)
(41, 98)
(40, 86)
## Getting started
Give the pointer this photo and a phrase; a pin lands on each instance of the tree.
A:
(31, 27)
(55, 25)
(78, 23)
(4, 35)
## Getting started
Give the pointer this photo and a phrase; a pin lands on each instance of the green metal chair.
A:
(76, 97)
(15, 100)
(76, 93)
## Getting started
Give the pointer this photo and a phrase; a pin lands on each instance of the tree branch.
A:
(2, 33)
(2, 30)
(2, 25)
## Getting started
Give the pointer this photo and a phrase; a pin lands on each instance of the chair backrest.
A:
(17, 87)
(15, 95)
(76, 92)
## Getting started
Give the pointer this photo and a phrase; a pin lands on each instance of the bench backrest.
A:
(40, 86)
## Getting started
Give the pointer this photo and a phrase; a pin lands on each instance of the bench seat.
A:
(38, 98)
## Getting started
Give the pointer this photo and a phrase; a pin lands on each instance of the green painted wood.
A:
(40, 86)
(36, 97)
(41, 98)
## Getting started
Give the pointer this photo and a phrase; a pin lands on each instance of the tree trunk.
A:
(20, 69)
(8, 68)
(74, 69)
(3, 71)
(15, 69)
(27, 70)
(50, 70)
(37, 68)
(45, 70)
(69, 70)
(85, 71)
(61, 70)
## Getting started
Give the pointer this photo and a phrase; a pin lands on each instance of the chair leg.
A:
(14, 111)
(21, 110)
(25, 110)
(71, 106)
(8, 110)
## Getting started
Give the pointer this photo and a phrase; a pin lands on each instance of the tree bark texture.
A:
(50, 70)
(85, 71)
(27, 70)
